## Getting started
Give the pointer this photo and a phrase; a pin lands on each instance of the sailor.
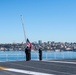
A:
(40, 53)
(27, 52)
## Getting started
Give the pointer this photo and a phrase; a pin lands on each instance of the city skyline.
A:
(46, 20)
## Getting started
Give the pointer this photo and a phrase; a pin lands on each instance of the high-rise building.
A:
(40, 42)
(49, 42)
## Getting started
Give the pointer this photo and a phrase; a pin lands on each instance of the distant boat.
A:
(57, 50)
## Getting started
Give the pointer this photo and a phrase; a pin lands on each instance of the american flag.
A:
(28, 43)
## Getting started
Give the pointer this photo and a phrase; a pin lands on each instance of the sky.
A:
(46, 20)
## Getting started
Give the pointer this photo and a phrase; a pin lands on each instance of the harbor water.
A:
(46, 55)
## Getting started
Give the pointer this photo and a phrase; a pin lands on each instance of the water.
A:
(47, 55)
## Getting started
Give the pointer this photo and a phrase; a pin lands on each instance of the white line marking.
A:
(27, 72)
(61, 62)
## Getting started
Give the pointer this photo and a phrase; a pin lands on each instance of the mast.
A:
(23, 27)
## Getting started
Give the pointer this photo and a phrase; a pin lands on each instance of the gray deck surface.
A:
(55, 67)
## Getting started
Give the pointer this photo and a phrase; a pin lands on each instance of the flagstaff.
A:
(23, 27)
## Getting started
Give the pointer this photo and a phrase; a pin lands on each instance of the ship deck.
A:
(36, 67)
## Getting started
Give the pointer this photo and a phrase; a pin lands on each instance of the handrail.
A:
(35, 56)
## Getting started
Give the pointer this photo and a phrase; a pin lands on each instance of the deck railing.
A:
(20, 55)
